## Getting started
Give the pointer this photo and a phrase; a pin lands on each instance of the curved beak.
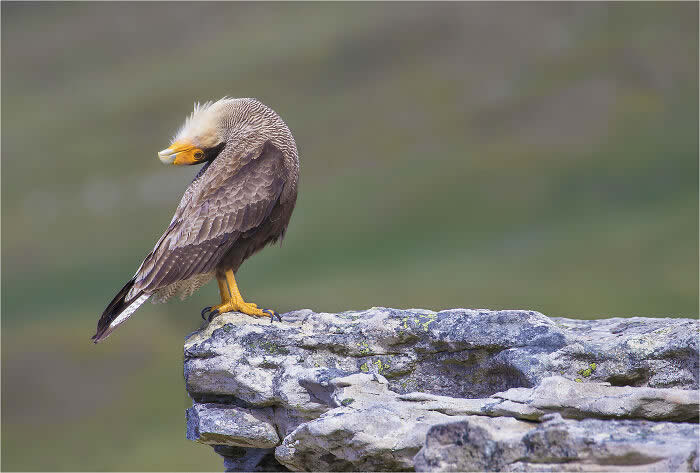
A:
(167, 156)
(180, 153)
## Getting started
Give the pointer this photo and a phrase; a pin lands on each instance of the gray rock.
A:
(249, 459)
(371, 430)
(478, 444)
(360, 390)
(473, 444)
(377, 429)
(600, 400)
(222, 424)
(636, 351)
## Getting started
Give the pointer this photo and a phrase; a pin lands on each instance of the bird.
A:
(240, 201)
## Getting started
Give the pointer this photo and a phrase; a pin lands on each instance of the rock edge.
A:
(369, 390)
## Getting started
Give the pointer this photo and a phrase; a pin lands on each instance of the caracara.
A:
(239, 202)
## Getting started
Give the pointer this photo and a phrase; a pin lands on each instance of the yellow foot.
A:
(239, 306)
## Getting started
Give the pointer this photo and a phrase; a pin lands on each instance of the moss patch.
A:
(270, 347)
(421, 321)
(364, 348)
(381, 366)
(588, 371)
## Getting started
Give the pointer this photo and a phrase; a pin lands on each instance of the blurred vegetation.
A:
(511, 155)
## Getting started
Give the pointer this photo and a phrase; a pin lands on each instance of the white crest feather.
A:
(202, 124)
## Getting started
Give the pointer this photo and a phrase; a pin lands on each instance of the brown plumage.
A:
(239, 202)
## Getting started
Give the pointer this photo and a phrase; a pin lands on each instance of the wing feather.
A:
(208, 224)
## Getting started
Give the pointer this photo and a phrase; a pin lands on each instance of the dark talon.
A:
(204, 311)
(273, 314)
(213, 314)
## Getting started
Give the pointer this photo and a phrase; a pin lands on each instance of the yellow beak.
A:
(180, 153)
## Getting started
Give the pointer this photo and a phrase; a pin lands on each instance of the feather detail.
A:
(181, 289)
(120, 309)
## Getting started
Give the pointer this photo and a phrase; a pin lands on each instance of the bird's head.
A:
(238, 125)
(201, 137)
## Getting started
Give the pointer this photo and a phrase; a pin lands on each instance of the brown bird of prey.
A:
(239, 202)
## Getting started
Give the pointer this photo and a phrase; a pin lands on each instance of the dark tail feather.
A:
(115, 308)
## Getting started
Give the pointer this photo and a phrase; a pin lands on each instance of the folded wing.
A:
(205, 227)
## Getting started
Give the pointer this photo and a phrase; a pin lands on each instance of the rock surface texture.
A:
(457, 390)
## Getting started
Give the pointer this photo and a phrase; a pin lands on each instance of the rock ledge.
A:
(401, 390)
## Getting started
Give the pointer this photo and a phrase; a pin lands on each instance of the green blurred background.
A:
(511, 155)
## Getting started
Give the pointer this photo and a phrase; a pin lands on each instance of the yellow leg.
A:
(231, 280)
(223, 290)
(232, 300)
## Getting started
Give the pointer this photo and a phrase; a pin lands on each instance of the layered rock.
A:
(368, 390)
(559, 445)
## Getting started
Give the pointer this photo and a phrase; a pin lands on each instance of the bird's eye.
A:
(198, 155)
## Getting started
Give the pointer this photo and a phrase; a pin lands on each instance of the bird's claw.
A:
(216, 310)
(273, 314)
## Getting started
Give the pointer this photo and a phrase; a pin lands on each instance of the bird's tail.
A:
(118, 311)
